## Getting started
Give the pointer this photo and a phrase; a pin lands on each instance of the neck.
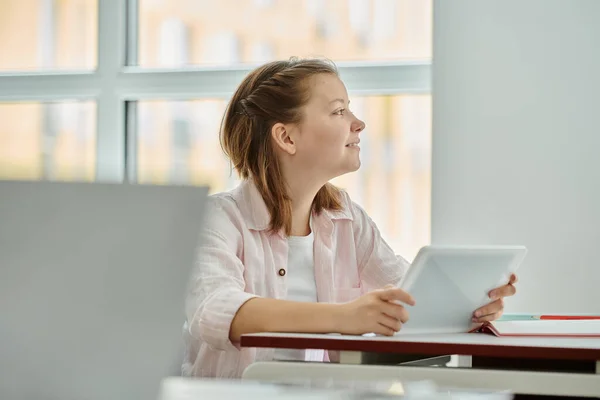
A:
(302, 191)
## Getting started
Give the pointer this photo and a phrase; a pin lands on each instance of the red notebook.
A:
(588, 328)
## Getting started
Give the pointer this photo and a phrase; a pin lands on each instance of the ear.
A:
(282, 139)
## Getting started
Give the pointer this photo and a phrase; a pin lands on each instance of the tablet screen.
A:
(450, 283)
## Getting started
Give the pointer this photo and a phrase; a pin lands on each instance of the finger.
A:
(511, 281)
(396, 294)
(383, 330)
(488, 309)
(389, 322)
(395, 311)
(503, 291)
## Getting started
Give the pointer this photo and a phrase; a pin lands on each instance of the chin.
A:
(351, 168)
(345, 168)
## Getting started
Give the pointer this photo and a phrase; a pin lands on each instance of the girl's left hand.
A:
(493, 310)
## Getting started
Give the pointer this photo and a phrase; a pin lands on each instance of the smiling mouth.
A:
(353, 145)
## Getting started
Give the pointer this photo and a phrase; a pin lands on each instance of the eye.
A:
(341, 111)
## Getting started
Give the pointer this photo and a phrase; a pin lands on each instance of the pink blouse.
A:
(239, 259)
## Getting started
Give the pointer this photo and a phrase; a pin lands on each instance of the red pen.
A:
(569, 317)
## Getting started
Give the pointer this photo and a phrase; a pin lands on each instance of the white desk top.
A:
(178, 388)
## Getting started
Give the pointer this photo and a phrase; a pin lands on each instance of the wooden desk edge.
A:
(426, 348)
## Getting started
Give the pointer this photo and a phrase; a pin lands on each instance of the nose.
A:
(357, 125)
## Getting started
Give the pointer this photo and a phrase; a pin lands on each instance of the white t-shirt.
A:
(301, 287)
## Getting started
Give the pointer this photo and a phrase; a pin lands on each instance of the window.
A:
(48, 35)
(177, 142)
(225, 32)
(83, 97)
(54, 141)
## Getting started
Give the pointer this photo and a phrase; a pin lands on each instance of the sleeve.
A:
(378, 265)
(216, 287)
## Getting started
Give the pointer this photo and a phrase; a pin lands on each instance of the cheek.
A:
(325, 142)
(331, 148)
(332, 139)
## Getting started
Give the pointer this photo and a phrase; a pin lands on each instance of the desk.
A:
(581, 355)
(177, 388)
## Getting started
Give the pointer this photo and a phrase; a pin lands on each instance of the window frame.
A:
(115, 86)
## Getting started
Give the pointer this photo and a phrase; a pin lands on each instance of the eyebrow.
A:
(339, 100)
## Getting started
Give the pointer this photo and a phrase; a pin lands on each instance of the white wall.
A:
(516, 140)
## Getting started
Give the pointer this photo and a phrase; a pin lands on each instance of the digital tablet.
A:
(450, 283)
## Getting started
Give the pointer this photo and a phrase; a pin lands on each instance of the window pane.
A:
(178, 142)
(48, 34)
(54, 141)
(226, 32)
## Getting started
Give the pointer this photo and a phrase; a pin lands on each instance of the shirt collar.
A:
(255, 212)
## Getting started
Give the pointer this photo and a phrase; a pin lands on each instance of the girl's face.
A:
(326, 141)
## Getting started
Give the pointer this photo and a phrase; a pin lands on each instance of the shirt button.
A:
(281, 272)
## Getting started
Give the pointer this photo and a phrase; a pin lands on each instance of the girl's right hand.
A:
(378, 312)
